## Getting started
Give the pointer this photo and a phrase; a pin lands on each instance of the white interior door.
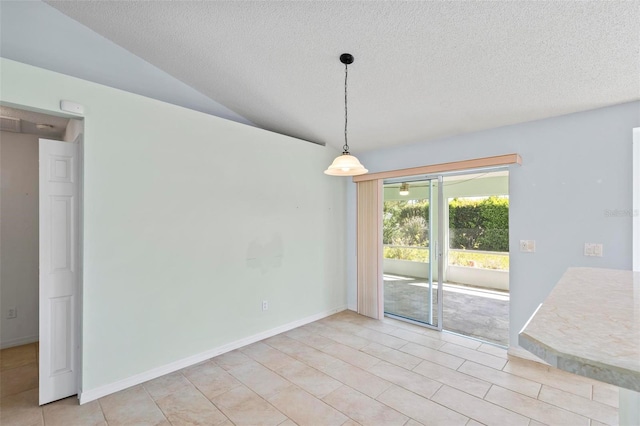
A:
(58, 269)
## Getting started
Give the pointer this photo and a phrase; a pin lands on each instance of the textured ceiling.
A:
(422, 70)
(35, 33)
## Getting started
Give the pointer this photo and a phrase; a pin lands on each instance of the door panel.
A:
(58, 269)
(411, 252)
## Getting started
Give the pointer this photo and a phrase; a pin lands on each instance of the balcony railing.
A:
(457, 257)
(478, 268)
(479, 259)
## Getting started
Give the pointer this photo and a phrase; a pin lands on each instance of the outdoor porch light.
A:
(404, 189)
(346, 164)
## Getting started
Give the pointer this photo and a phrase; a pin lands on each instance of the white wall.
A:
(575, 169)
(18, 238)
(190, 221)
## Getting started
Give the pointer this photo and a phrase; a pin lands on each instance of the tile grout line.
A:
(351, 329)
(155, 402)
(322, 372)
(391, 383)
(294, 384)
(366, 396)
(104, 416)
(246, 386)
(412, 370)
(487, 392)
(539, 391)
(551, 386)
(448, 408)
(550, 404)
(507, 408)
(491, 384)
(576, 378)
(570, 409)
(444, 343)
(205, 396)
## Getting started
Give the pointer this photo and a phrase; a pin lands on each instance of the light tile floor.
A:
(343, 370)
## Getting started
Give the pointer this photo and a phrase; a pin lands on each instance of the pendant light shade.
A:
(346, 164)
(404, 189)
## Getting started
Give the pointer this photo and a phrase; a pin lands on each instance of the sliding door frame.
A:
(440, 251)
(436, 254)
(428, 172)
(431, 252)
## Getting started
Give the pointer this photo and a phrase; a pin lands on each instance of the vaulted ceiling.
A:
(422, 70)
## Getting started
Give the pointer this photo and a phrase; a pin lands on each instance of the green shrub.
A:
(406, 224)
(495, 221)
(465, 224)
(473, 224)
(479, 224)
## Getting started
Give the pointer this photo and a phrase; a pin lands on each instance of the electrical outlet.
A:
(593, 249)
(527, 246)
(12, 313)
(265, 305)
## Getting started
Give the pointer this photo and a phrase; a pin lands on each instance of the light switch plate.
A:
(527, 246)
(12, 313)
(593, 249)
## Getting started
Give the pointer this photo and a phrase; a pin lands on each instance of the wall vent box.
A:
(72, 107)
(10, 124)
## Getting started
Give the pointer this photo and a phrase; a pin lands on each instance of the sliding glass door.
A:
(476, 253)
(446, 252)
(412, 238)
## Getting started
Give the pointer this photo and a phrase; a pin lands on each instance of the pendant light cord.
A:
(345, 148)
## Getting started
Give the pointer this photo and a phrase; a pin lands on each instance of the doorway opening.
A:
(446, 252)
(23, 348)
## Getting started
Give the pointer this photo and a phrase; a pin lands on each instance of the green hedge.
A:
(473, 224)
(479, 224)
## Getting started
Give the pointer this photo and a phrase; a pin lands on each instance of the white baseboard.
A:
(353, 308)
(18, 341)
(99, 392)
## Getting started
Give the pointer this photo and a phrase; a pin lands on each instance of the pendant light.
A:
(346, 164)
(404, 189)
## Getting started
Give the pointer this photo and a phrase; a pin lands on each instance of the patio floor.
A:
(471, 311)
